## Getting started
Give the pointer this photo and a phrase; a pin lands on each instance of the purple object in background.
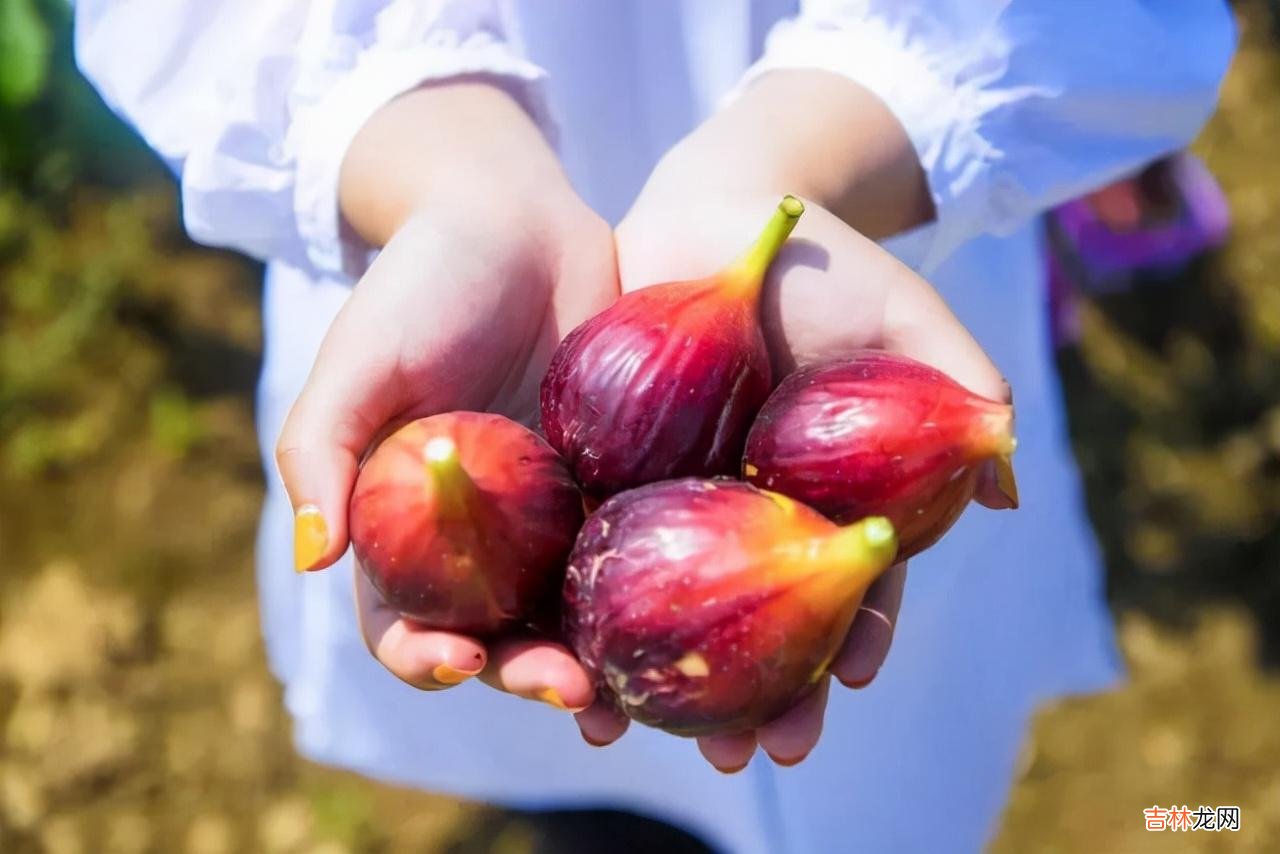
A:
(1152, 223)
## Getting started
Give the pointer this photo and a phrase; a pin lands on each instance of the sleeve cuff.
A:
(324, 126)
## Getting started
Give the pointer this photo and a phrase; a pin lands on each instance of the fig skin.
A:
(463, 521)
(879, 434)
(708, 606)
(665, 382)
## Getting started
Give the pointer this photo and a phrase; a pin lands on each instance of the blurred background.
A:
(136, 712)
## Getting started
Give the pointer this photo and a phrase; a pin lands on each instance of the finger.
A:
(997, 488)
(355, 389)
(601, 723)
(827, 271)
(539, 670)
(342, 405)
(425, 658)
(729, 753)
(918, 323)
(790, 738)
(916, 320)
(867, 643)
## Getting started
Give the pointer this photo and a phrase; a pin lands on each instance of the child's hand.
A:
(831, 291)
(481, 275)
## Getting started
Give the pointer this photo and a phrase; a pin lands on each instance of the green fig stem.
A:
(838, 565)
(865, 548)
(747, 273)
(996, 428)
(453, 486)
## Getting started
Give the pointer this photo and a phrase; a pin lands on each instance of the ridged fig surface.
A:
(463, 521)
(666, 381)
(707, 607)
(878, 434)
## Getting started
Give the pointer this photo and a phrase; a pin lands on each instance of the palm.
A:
(457, 316)
(477, 330)
(831, 290)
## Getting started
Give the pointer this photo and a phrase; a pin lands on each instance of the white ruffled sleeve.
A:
(1014, 106)
(254, 103)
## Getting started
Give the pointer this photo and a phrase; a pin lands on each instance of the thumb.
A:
(919, 323)
(346, 400)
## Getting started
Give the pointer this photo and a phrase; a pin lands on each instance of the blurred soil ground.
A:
(136, 713)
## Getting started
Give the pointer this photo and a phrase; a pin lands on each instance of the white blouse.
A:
(1012, 105)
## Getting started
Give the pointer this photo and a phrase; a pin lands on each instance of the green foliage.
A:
(109, 325)
(176, 427)
(90, 288)
(58, 333)
(24, 52)
(344, 813)
(55, 133)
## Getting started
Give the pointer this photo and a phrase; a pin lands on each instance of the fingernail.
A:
(446, 675)
(858, 683)
(787, 763)
(310, 537)
(552, 697)
(1005, 481)
(734, 770)
(591, 741)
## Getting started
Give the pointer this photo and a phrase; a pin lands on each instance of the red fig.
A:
(880, 434)
(463, 520)
(709, 606)
(664, 383)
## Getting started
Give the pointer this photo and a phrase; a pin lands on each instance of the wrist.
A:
(429, 148)
(813, 133)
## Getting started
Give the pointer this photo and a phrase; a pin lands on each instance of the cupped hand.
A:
(830, 292)
(461, 310)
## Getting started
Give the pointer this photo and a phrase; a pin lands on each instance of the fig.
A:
(709, 606)
(880, 434)
(463, 521)
(664, 383)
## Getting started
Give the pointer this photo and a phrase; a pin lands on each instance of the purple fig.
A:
(665, 382)
(709, 606)
(880, 434)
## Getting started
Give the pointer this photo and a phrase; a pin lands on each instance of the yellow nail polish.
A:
(552, 697)
(310, 537)
(446, 675)
(1005, 480)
